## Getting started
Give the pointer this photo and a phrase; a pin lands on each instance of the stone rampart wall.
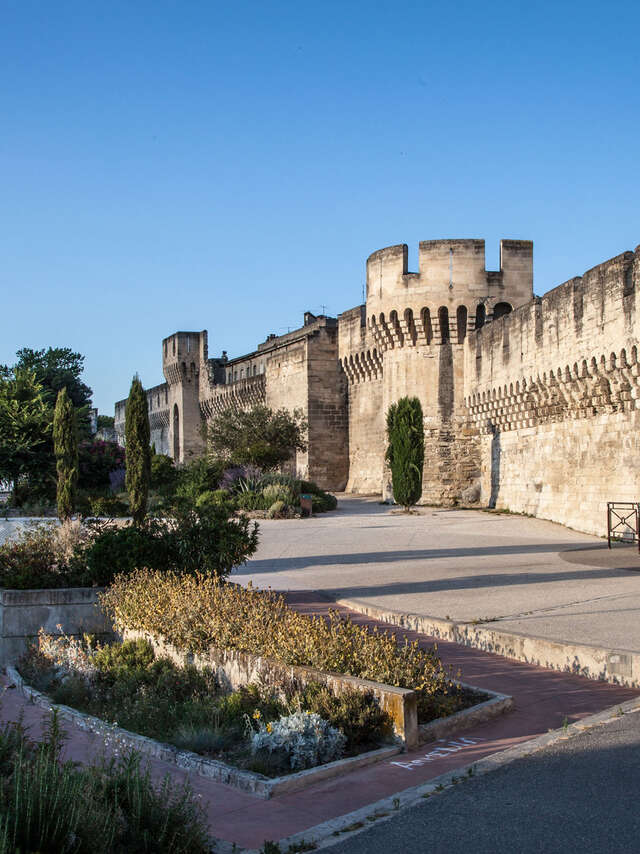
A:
(552, 389)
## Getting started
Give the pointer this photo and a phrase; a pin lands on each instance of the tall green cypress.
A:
(65, 445)
(405, 451)
(137, 436)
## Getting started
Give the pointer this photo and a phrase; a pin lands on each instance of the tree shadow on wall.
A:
(496, 452)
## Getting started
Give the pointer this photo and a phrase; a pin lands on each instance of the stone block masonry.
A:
(529, 404)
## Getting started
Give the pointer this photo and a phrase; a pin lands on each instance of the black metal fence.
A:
(623, 522)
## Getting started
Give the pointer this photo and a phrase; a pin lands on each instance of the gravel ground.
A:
(579, 795)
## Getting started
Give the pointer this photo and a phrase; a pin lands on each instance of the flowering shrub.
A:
(297, 741)
(196, 612)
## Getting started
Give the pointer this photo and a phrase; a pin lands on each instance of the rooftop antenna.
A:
(323, 307)
(450, 269)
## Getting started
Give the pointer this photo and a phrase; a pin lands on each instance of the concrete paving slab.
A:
(525, 575)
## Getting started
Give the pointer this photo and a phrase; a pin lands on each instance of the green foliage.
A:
(57, 368)
(183, 705)
(260, 492)
(197, 612)
(138, 462)
(108, 505)
(26, 420)
(357, 714)
(97, 459)
(405, 451)
(200, 475)
(260, 436)
(48, 806)
(123, 548)
(28, 393)
(163, 474)
(205, 540)
(324, 502)
(39, 558)
(215, 498)
(276, 510)
(106, 422)
(65, 445)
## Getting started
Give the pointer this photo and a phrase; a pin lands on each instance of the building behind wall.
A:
(529, 404)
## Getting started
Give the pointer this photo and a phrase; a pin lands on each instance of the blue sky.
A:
(191, 165)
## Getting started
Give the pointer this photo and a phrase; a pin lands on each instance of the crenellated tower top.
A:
(450, 273)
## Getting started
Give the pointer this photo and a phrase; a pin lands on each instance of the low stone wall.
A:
(235, 669)
(72, 610)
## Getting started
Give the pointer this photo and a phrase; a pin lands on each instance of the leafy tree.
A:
(260, 436)
(57, 368)
(107, 421)
(405, 451)
(25, 429)
(137, 436)
(65, 443)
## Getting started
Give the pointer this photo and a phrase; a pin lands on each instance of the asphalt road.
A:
(579, 795)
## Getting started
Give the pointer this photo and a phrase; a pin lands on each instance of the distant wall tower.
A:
(184, 356)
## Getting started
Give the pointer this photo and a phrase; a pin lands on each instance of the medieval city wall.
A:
(552, 390)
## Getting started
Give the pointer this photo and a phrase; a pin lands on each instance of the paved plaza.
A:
(525, 575)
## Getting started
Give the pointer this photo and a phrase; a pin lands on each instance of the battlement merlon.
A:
(453, 268)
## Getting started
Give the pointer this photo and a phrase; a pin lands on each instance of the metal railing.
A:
(623, 522)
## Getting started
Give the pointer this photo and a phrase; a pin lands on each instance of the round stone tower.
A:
(416, 328)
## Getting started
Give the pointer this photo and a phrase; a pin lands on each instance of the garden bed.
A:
(262, 739)
(157, 691)
(221, 772)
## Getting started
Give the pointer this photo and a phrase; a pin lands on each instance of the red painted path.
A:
(543, 698)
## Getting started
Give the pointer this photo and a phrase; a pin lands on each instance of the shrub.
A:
(215, 498)
(106, 505)
(357, 714)
(196, 612)
(405, 452)
(297, 741)
(164, 474)
(122, 549)
(198, 476)
(323, 503)
(278, 492)
(276, 510)
(204, 540)
(41, 556)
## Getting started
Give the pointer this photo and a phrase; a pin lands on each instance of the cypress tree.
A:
(405, 451)
(138, 451)
(65, 445)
